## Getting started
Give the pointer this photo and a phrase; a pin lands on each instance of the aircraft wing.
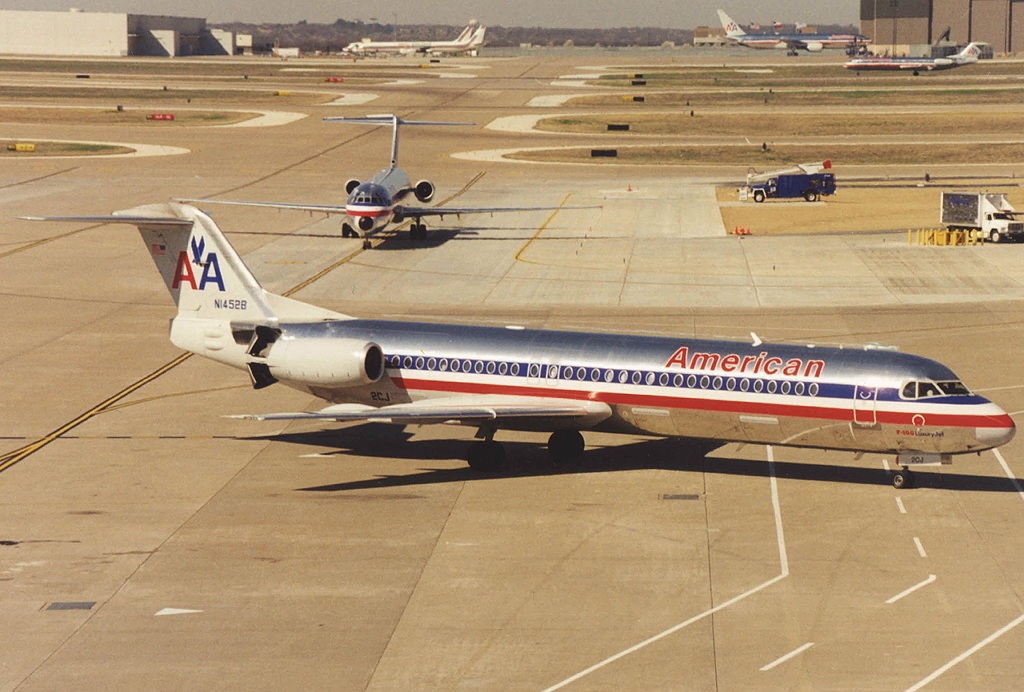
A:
(418, 212)
(320, 208)
(465, 410)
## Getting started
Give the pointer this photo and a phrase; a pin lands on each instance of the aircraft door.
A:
(864, 405)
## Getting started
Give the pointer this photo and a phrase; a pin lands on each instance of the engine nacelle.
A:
(326, 362)
(351, 185)
(424, 191)
(814, 47)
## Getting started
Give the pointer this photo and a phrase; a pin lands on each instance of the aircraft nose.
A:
(999, 433)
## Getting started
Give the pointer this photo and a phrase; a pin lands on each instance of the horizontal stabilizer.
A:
(321, 208)
(115, 218)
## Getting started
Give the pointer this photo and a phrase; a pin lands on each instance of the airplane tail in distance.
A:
(464, 36)
(971, 53)
(732, 29)
(478, 37)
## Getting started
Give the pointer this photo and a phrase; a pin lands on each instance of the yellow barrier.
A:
(945, 236)
(21, 146)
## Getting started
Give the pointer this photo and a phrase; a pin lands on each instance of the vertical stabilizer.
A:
(202, 272)
(732, 29)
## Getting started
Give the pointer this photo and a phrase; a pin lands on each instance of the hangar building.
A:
(109, 34)
(907, 23)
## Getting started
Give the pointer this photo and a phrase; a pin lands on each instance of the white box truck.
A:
(988, 212)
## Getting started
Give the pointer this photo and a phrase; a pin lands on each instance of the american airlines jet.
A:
(968, 56)
(812, 43)
(560, 382)
(373, 205)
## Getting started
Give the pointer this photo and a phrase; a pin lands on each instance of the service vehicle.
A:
(807, 180)
(988, 212)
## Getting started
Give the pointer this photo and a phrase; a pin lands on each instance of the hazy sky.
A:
(677, 14)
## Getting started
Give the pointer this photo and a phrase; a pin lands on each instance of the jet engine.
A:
(814, 47)
(351, 185)
(320, 362)
(424, 191)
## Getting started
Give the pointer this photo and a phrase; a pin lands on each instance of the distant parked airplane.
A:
(471, 38)
(880, 63)
(812, 43)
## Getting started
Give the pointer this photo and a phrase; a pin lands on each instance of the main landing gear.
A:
(418, 231)
(903, 478)
(488, 456)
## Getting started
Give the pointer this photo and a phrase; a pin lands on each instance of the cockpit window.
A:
(954, 388)
(927, 389)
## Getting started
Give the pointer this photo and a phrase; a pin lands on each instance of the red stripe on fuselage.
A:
(932, 419)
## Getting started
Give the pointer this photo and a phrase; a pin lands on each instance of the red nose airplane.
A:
(383, 199)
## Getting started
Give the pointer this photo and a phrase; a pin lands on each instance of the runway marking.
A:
(783, 573)
(175, 611)
(920, 548)
(1008, 472)
(11, 458)
(912, 589)
(899, 503)
(973, 650)
(885, 465)
(43, 241)
(791, 654)
(543, 226)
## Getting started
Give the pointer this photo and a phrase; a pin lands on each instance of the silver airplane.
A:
(560, 382)
(382, 200)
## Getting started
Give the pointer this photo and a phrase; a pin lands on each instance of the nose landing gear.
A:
(903, 478)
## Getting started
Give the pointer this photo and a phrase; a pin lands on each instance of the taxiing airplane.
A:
(812, 43)
(468, 42)
(373, 205)
(967, 56)
(561, 382)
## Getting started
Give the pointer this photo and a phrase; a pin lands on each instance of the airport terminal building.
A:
(906, 23)
(109, 34)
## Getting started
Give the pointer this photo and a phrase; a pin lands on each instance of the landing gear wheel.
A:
(418, 231)
(903, 479)
(367, 244)
(565, 445)
(486, 456)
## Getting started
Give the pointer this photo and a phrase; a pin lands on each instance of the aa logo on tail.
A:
(183, 272)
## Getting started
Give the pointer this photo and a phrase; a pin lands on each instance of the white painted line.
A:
(912, 589)
(711, 611)
(899, 503)
(783, 659)
(1008, 472)
(175, 611)
(973, 650)
(920, 548)
(885, 465)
